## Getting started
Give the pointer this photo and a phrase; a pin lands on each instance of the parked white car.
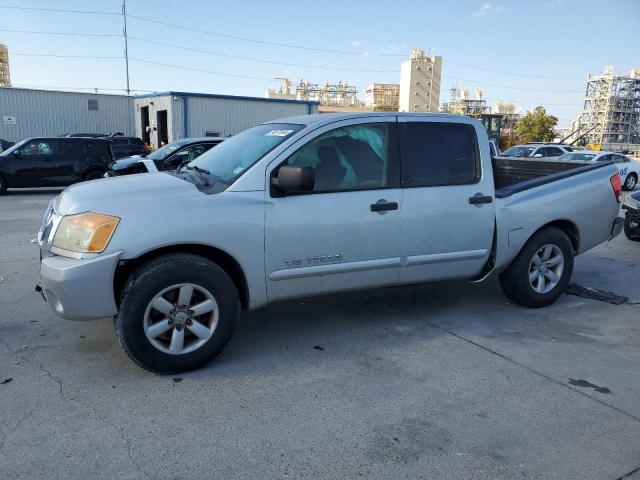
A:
(537, 150)
(629, 169)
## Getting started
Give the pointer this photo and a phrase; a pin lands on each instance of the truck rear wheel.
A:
(177, 312)
(541, 271)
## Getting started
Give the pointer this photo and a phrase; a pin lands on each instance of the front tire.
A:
(541, 271)
(630, 182)
(3, 185)
(177, 312)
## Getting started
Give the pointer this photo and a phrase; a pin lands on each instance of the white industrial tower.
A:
(611, 109)
(420, 83)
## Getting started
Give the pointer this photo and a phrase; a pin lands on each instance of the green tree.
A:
(536, 126)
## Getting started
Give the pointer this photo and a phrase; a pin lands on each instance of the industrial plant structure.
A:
(611, 109)
(462, 104)
(382, 97)
(5, 78)
(340, 95)
(420, 82)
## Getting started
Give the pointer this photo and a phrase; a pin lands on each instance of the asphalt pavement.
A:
(447, 381)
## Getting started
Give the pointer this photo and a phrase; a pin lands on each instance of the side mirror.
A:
(292, 179)
(537, 155)
(17, 154)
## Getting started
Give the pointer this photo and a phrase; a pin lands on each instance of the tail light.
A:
(616, 184)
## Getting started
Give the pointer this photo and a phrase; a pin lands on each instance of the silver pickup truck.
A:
(312, 205)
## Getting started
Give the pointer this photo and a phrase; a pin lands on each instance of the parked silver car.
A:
(312, 205)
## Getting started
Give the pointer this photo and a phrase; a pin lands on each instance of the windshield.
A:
(232, 157)
(577, 156)
(13, 148)
(518, 152)
(168, 149)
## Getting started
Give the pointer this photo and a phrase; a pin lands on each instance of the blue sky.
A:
(565, 39)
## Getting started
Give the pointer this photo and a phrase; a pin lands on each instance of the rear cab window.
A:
(438, 153)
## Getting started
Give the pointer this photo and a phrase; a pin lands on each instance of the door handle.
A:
(478, 198)
(382, 205)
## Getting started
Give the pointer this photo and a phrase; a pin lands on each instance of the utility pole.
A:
(126, 45)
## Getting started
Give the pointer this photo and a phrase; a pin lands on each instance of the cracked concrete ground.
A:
(440, 381)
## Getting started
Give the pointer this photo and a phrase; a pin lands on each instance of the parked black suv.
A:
(53, 162)
(169, 157)
(127, 146)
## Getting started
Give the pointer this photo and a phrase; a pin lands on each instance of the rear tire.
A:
(630, 182)
(156, 323)
(541, 271)
(3, 185)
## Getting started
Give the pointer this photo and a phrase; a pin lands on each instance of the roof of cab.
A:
(317, 119)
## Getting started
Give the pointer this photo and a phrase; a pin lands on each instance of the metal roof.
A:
(228, 97)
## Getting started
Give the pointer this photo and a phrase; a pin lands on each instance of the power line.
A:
(475, 82)
(72, 34)
(511, 73)
(97, 57)
(58, 10)
(59, 87)
(263, 42)
(254, 59)
(226, 74)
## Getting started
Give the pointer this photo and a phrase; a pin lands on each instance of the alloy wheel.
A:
(545, 268)
(181, 318)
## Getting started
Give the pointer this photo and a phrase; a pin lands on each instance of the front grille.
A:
(45, 234)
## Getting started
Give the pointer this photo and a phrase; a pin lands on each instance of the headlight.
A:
(85, 232)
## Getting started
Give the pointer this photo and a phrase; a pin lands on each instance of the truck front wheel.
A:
(177, 312)
(541, 271)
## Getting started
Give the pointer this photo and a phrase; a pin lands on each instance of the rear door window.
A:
(554, 152)
(438, 153)
(72, 148)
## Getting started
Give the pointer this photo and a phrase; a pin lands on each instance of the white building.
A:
(420, 83)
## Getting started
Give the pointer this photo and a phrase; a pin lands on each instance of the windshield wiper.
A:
(201, 171)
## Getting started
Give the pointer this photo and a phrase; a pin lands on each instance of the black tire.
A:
(632, 178)
(632, 232)
(3, 185)
(152, 278)
(94, 175)
(515, 279)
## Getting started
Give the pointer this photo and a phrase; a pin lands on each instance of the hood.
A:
(117, 194)
(125, 162)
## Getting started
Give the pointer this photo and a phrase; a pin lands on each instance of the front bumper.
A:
(617, 227)
(79, 289)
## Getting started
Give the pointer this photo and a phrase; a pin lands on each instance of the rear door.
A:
(448, 205)
(71, 159)
(345, 234)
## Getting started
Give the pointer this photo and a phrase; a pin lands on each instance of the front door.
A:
(448, 205)
(35, 165)
(345, 234)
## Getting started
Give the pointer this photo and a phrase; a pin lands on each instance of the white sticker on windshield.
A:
(278, 133)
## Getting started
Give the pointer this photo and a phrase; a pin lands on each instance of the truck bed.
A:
(513, 175)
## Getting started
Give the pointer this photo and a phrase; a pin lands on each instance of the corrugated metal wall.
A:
(51, 113)
(229, 116)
